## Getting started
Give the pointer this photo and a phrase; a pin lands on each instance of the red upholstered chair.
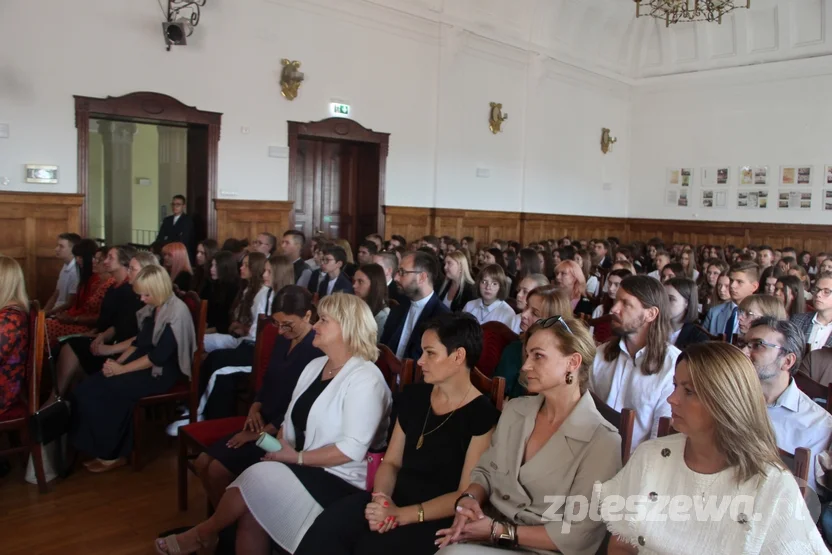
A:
(196, 437)
(183, 391)
(601, 328)
(496, 336)
(397, 373)
(15, 420)
(624, 421)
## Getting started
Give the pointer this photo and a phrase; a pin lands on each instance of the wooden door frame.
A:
(145, 107)
(343, 130)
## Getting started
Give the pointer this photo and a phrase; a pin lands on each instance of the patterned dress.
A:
(14, 354)
(87, 304)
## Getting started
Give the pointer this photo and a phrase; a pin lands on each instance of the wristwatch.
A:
(421, 513)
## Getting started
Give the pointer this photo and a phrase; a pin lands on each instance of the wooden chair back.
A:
(496, 336)
(822, 394)
(37, 347)
(624, 421)
(398, 373)
(267, 334)
(494, 387)
(200, 325)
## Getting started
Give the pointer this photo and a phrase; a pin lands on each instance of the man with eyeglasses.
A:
(178, 227)
(416, 276)
(775, 347)
(817, 325)
(332, 278)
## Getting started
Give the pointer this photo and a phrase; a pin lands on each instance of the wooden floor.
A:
(115, 513)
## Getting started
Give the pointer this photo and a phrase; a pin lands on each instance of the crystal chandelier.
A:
(674, 11)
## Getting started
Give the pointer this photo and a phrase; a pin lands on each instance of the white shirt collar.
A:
(790, 398)
(69, 265)
(421, 303)
(490, 308)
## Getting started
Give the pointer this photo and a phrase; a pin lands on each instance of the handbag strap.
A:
(51, 363)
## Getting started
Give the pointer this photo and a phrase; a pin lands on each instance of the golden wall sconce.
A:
(607, 140)
(290, 78)
(496, 118)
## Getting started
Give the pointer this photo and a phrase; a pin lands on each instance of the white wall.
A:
(426, 83)
(773, 115)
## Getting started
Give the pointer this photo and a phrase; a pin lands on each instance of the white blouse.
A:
(661, 506)
(498, 311)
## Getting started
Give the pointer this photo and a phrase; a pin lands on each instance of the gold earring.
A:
(569, 378)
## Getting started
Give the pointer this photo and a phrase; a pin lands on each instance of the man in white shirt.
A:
(63, 297)
(775, 347)
(723, 319)
(635, 369)
(662, 260)
(817, 326)
(402, 332)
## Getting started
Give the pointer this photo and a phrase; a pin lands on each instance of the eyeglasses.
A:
(757, 345)
(748, 314)
(327, 260)
(402, 272)
(284, 326)
(821, 292)
(549, 322)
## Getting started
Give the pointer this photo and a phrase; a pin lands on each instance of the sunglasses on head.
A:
(549, 322)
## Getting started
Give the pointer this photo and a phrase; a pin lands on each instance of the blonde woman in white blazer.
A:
(339, 410)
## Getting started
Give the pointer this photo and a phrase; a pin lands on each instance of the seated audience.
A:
(14, 332)
(292, 247)
(317, 272)
(726, 451)
(278, 272)
(724, 318)
(444, 425)
(265, 243)
(672, 270)
(660, 259)
(221, 291)
(683, 315)
(775, 348)
(116, 326)
(368, 284)
(333, 278)
(789, 289)
(526, 286)
(205, 252)
(817, 325)
(377, 239)
(491, 305)
(293, 313)
(635, 369)
(102, 405)
(389, 262)
(92, 286)
(339, 410)
(554, 443)
(757, 306)
(366, 251)
(768, 279)
(584, 261)
(547, 264)
(806, 285)
(175, 260)
(349, 266)
(602, 253)
(458, 289)
(603, 331)
(707, 285)
(688, 261)
(570, 277)
(541, 303)
(63, 298)
(765, 258)
(403, 329)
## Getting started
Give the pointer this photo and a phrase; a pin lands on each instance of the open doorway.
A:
(185, 141)
(134, 171)
(337, 173)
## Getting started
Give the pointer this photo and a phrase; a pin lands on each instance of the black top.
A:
(300, 412)
(163, 354)
(584, 306)
(118, 310)
(436, 468)
(183, 281)
(467, 293)
(220, 301)
(281, 376)
(180, 232)
(691, 334)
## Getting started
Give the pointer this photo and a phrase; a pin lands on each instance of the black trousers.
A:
(221, 403)
(342, 530)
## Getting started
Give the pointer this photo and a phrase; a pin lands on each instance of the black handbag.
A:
(52, 421)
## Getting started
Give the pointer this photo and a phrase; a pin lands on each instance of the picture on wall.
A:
(746, 175)
(804, 175)
(795, 200)
(679, 177)
(673, 177)
(715, 177)
(671, 197)
(761, 175)
(714, 199)
(686, 177)
(752, 199)
(788, 175)
(827, 199)
(828, 175)
(683, 198)
(36, 173)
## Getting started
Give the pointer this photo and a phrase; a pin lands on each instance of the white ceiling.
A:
(604, 36)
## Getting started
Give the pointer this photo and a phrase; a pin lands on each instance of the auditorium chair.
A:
(496, 336)
(624, 421)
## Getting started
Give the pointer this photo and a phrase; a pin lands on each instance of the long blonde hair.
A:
(727, 384)
(358, 327)
(461, 258)
(12, 284)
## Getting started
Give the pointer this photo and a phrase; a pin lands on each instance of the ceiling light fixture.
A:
(676, 11)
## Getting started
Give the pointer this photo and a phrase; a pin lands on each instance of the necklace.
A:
(332, 371)
(423, 434)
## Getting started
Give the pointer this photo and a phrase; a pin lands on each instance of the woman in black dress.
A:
(102, 414)
(443, 427)
(221, 290)
(116, 321)
(292, 312)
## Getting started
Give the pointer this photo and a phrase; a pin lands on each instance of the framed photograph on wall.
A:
(827, 199)
(761, 175)
(804, 176)
(746, 176)
(794, 200)
(788, 175)
(752, 199)
(827, 176)
(679, 177)
(36, 173)
(717, 176)
(714, 198)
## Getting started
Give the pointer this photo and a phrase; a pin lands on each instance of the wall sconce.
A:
(177, 28)
(607, 140)
(496, 118)
(290, 79)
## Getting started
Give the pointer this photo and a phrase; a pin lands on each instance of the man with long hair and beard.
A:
(635, 368)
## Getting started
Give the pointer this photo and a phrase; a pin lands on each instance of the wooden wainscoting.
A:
(30, 224)
(485, 226)
(244, 219)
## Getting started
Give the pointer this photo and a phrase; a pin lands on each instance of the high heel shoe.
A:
(169, 545)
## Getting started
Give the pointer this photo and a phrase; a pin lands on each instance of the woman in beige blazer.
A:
(546, 448)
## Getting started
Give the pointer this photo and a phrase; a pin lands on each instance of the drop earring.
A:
(569, 378)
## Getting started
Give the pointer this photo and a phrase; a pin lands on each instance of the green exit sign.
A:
(339, 110)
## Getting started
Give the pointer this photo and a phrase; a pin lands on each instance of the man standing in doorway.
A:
(178, 227)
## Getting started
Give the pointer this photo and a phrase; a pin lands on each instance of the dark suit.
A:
(605, 263)
(342, 285)
(314, 281)
(689, 335)
(394, 291)
(394, 327)
(804, 322)
(180, 232)
(467, 293)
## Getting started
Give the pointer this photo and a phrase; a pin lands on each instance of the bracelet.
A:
(463, 496)
(300, 458)
(421, 513)
(493, 536)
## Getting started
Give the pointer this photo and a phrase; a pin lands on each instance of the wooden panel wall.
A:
(485, 226)
(30, 224)
(245, 219)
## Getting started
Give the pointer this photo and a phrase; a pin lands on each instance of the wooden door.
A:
(198, 198)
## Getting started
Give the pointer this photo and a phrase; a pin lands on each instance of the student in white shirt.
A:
(724, 456)
(491, 306)
(775, 347)
(817, 325)
(635, 369)
(662, 260)
(63, 297)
